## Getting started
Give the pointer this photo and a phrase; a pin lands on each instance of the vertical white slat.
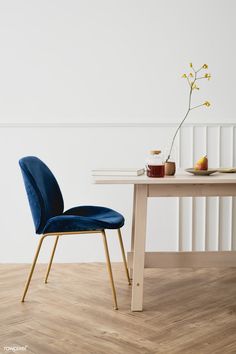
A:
(219, 238)
(185, 203)
(179, 202)
(212, 202)
(225, 202)
(179, 148)
(193, 199)
(231, 199)
(199, 202)
(233, 226)
(207, 216)
(234, 223)
(206, 199)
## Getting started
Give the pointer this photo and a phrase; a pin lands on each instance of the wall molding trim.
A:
(111, 125)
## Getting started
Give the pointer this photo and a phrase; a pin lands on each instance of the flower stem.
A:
(186, 114)
(173, 140)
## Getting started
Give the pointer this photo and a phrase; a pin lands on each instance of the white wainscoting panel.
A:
(72, 150)
(212, 219)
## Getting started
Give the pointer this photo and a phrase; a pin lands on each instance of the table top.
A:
(180, 178)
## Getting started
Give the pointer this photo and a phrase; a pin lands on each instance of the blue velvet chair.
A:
(50, 219)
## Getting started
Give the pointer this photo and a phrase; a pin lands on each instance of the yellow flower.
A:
(205, 66)
(184, 75)
(207, 104)
(207, 76)
(191, 65)
(190, 75)
(195, 87)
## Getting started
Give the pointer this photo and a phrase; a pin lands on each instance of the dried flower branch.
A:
(191, 78)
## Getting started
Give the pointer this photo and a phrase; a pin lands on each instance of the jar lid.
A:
(155, 152)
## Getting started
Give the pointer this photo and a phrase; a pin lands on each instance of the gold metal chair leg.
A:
(51, 259)
(109, 270)
(123, 256)
(32, 268)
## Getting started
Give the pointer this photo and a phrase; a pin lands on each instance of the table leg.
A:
(133, 228)
(139, 247)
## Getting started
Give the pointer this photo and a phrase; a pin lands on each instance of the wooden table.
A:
(181, 185)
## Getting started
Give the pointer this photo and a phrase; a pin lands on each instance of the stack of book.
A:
(118, 172)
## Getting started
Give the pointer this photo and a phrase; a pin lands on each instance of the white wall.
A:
(113, 60)
(101, 62)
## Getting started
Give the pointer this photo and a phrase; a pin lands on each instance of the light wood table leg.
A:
(139, 247)
(133, 228)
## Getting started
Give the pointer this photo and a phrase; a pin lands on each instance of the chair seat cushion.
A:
(85, 218)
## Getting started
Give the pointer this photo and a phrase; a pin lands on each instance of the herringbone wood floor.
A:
(186, 311)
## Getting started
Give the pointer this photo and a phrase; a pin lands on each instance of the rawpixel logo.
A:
(15, 348)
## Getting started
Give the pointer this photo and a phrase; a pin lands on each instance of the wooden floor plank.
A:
(186, 311)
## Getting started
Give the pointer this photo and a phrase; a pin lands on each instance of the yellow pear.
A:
(202, 163)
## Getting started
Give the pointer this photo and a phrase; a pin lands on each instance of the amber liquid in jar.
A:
(155, 171)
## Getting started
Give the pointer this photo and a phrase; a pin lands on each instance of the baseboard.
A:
(187, 259)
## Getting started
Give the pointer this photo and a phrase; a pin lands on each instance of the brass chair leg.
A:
(123, 256)
(51, 259)
(32, 268)
(109, 269)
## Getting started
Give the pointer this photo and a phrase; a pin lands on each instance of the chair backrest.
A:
(43, 191)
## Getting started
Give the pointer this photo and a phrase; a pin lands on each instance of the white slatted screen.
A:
(207, 223)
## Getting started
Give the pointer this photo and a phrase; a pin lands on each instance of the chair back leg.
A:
(109, 270)
(51, 259)
(123, 256)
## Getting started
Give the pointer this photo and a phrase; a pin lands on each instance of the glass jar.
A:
(154, 164)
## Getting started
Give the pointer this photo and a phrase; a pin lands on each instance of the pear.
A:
(202, 163)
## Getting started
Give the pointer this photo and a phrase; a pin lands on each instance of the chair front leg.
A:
(109, 269)
(123, 256)
(32, 268)
(51, 259)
